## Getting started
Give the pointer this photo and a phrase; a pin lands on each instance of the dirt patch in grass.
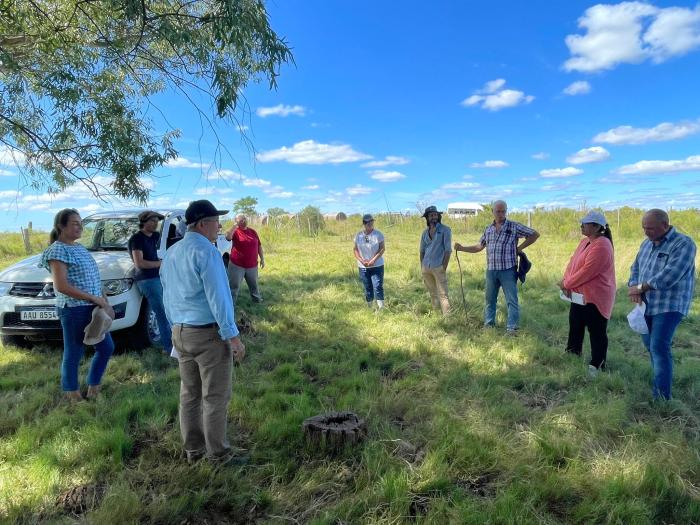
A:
(542, 399)
(481, 485)
(81, 499)
(409, 452)
(419, 506)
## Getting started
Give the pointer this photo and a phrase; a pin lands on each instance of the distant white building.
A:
(459, 210)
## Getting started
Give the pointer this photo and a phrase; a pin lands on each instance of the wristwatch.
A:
(640, 287)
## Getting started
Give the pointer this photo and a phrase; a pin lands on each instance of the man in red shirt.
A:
(243, 262)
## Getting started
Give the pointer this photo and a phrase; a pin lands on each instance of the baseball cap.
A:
(594, 217)
(197, 210)
(367, 217)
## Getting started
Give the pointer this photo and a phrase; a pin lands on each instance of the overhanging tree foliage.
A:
(77, 77)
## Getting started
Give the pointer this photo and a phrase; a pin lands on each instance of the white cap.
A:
(594, 217)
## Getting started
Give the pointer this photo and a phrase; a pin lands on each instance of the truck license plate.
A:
(39, 315)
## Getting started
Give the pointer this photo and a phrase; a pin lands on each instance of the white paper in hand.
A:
(636, 319)
(174, 353)
(576, 298)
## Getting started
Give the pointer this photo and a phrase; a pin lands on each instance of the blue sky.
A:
(403, 104)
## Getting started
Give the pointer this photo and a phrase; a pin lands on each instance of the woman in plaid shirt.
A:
(78, 289)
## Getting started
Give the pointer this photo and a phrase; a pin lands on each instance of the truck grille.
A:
(33, 290)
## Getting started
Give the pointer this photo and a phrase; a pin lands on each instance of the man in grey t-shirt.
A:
(435, 252)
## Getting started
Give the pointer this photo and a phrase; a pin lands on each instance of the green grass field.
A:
(465, 425)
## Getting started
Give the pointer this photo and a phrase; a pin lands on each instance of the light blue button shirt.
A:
(195, 285)
(432, 251)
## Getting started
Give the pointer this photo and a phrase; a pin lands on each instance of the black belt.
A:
(185, 325)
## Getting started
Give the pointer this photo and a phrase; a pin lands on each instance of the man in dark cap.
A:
(435, 252)
(200, 309)
(143, 249)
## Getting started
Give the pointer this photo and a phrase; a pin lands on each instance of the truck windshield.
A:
(110, 233)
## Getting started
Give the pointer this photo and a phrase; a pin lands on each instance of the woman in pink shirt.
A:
(591, 272)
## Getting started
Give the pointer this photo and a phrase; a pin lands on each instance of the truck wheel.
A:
(18, 341)
(145, 333)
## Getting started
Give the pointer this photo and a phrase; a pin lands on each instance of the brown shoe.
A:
(93, 392)
(73, 396)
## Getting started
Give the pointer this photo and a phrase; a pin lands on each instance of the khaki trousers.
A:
(205, 390)
(435, 280)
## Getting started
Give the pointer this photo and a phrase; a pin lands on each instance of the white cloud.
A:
(256, 183)
(630, 33)
(556, 173)
(389, 160)
(211, 190)
(280, 194)
(644, 167)
(6, 173)
(312, 152)
(586, 155)
(182, 162)
(311, 187)
(494, 98)
(224, 175)
(661, 133)
(580, 87)
(358, 189)
(489, 164)
(494, 85)
(387, 176)
(10, 194)
(281, 110)
(11, 157)
(460, 185)
(676, 31)
(540, 156)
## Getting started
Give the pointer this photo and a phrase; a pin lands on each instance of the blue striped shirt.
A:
(669, 269)
(82, 272)
(432, 251)
(195, 285)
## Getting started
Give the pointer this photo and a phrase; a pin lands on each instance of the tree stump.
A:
(334, 431)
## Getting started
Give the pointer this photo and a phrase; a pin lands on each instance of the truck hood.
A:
(112, 265)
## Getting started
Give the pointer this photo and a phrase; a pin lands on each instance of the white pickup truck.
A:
(27, 302)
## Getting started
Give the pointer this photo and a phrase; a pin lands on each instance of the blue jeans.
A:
(373, 279)
(152, 290)
(507, 280)
(658, 343)
(74, 319)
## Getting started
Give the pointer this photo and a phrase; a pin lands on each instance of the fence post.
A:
(25, 238)
(529, 222)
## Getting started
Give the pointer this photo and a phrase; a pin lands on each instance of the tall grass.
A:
(465, 425)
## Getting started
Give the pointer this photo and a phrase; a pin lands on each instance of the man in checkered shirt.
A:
(501, 242)
(663, 278)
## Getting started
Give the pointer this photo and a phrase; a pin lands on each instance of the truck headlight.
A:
(117, 286)
(5, 288)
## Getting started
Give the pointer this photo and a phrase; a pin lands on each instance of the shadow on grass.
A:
(462, 422)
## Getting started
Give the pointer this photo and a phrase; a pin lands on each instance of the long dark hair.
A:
(605, 232)
(61, 220)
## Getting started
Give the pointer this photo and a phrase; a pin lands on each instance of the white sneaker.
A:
(380, 303)
(592, 372)
(369, 304)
